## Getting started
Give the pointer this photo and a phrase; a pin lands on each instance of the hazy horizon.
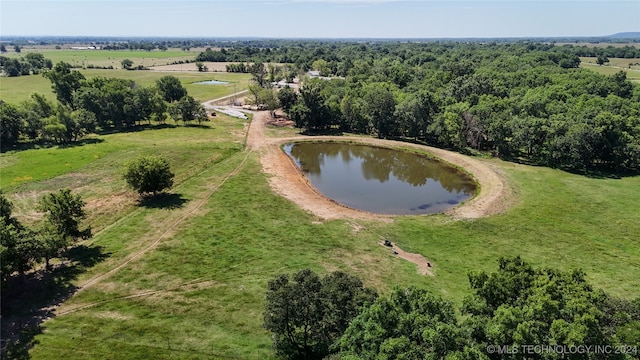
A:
(319, 19)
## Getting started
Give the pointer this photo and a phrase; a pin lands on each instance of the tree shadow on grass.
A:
(163, 201)
(28, 300)
(322, 132)
(47, 145)
(199, 126)
(133, 129)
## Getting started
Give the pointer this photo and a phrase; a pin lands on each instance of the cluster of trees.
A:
(101, 103)
(31, 63)
(517, 101)
(623, 52)
(22, 247)
(127, 64)
(507, 310)
(522, 101)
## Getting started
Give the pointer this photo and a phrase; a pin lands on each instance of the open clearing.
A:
(190, 275)
(185, 278)
(630, 66)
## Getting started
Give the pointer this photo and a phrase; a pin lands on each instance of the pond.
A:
(381, 180)
(211, 82)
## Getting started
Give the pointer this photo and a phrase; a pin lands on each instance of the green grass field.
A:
(192, 269)
(613, 66)
(16, 89)
(106, 58)
(199, 291)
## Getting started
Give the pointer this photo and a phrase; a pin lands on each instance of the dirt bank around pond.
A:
(494, 196)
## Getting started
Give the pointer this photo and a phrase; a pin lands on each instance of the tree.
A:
(3, 49)
(17, 49)
(201, 66)
(18, 250)
(64, 82)
(188, 109)
(287, 97)
(64, 211)
(145, 104)
(259, 73)
(148, 174)
(408, 324)
(126, 64)
(107, 98)
(171, 88)
(520, 305)
(380, 108)
(11, 124)
(602, 59)
(307, 314)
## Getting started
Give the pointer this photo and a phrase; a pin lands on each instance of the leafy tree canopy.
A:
(148, 174)
(307, 314)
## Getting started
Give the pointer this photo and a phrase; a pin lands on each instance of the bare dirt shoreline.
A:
(286, 180)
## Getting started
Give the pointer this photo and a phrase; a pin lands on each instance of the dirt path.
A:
(424, 266)
(288, 181)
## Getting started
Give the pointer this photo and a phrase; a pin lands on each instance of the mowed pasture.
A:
(630, 66)
(16, 89)
(184, 277)
(203, 259)
(106, 58)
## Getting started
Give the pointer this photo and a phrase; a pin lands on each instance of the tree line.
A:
(505, 314)
(520, 101)
(98, 104)
(31, 63)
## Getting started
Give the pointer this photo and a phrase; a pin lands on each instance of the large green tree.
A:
(287, 98)
(148, 174)
(188, 109)
(64, 211)
(408, 324)
(307, 314)
(65, 82)
(171, 88)
(11, 124)
(18, 250)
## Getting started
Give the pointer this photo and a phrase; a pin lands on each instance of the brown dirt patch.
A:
(424, 266)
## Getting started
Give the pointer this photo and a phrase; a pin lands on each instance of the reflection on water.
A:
(381, 180)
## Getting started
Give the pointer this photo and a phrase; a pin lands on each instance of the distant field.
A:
(600, 45)
(630, 66)
(105, 58)
(16, 89)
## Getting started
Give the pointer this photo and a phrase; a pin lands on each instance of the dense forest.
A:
(521, 101)
(518, 100)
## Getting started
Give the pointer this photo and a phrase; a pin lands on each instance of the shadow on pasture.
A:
(30, 299)
(199, 126)
(324, 132)
(163, 201)
(48, 145)
(137, 128)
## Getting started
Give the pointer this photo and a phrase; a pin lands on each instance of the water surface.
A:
(380, 180)
(211, 82)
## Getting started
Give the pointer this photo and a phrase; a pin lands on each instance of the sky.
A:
(319, 18)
